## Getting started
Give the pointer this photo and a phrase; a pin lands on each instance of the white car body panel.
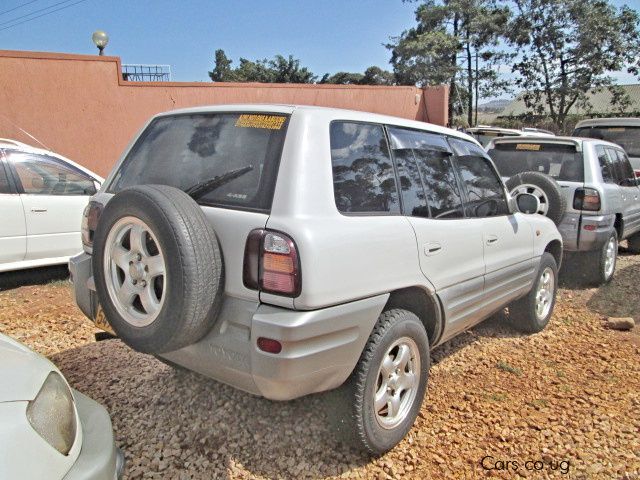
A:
(40, 230)
(24, 454)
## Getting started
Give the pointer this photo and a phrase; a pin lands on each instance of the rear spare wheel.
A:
(157, 268)
(545, 188)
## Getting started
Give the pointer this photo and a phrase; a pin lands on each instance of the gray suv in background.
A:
(287, 250)
(586, 186)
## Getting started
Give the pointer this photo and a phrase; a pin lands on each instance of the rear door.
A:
(13, 231)
(53, 195)
(507, 239)
(450, 246)
(629, 192)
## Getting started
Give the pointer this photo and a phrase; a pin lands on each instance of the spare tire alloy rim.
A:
(610, 257)
(397, 383)
(544, 295)
(135, 271)
(536, 191)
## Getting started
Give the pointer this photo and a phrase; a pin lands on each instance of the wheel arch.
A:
(424, 304)
(554, 247)
(618, 225)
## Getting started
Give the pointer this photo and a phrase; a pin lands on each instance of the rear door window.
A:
(363, 176)
(485, 191)
(616, 166)
(560, 161)
(5, 187)
(605, 166)
(185, 151)
(628, 177)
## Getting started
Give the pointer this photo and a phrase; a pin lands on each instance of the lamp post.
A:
(100, 39)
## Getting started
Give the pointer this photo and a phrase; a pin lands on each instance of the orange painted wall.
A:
(79, 106)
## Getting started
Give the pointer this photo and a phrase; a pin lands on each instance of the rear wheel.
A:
(531, 313)
(385, 391)
(599, 266)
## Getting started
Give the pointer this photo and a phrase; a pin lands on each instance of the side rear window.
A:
(605, 167)
(4, 179)
(628, 177)
(485, 193)
(363, 175)
(428, 184)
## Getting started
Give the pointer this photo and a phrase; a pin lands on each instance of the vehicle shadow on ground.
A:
(620, 297)
(170, 421)
(573, 274)
(33, 276)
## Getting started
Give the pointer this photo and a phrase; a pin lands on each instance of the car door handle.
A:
(492, 239)
(432, 248)
(38, 210)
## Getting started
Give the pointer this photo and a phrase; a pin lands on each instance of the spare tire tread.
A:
(557, 203)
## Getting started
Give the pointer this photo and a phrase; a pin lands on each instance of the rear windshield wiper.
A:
(202, 188)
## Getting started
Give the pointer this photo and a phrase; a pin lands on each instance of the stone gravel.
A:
(565, 400)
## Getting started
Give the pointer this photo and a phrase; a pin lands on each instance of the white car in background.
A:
(42, 197)
(50, 431)
(484, 133)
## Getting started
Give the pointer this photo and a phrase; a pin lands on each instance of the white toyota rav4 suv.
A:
(287, 250)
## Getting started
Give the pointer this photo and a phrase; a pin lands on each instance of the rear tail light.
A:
(90, 218)
(269, 345)
(271, 263)
(586, 199)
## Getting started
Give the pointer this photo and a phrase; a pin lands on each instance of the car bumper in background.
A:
(320, 348)
(99, 458)
(587, 233)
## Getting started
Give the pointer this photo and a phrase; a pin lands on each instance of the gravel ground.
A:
(567, 398)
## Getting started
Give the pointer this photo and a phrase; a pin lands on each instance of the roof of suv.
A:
(610, 122)
(578, 141)
(337, 113)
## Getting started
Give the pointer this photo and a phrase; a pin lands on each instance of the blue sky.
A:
(326, 35)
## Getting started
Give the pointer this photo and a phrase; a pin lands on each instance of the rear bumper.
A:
(320, 348)
(99, 458)
(583, 233)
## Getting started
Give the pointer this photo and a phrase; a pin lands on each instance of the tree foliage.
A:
(450, 33)
(279, 69)
(568, 47)
(371, 76)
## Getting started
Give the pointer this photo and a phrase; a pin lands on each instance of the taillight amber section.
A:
(271, 263)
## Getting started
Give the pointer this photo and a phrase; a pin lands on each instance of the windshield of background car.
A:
(485, 136)
(627, 137)
(185, 150)
(562, 162)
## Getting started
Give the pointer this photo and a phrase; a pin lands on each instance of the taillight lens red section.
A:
(586, 199)
(269, 345)
(271, 263)
(90, 218)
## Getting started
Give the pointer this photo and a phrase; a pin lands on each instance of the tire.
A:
(523, 313)
(549, 193)
(633, 243)
(395, 330)
(599, 267)
(157, 268)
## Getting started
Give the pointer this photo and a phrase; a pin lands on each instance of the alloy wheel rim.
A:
(537, 192)
(610, 257)
(397, 383)
(135, 271)
(544, 293)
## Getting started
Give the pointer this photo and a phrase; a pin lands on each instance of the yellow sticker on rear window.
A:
(528, 146)
(616, 129)
(270, 122)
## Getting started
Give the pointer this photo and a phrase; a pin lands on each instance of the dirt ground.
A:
(564, 403)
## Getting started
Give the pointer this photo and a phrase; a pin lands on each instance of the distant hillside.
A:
(495, 106)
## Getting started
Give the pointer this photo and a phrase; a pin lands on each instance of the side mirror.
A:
(528, 203)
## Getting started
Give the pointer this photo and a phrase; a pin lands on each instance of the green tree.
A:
(568, 47)
(280, 69)
(450, 33)
(372, 76)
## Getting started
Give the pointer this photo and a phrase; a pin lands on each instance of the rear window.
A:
(184, 151)
(627, 137)
(562, 162)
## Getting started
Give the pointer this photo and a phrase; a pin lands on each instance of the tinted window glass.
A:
(44, 175)
(627, 137)
(605, 168)
(628, 177)
(616, 165)
(562, 162)
(186, 150)
(412, 148)
(485, 193)
(363, 176)
(4, 181)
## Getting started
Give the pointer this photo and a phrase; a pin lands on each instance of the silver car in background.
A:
(596, 189)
